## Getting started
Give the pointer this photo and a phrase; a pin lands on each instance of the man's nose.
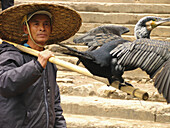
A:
(42, 28)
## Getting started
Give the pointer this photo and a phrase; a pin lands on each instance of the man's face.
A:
(40, 28)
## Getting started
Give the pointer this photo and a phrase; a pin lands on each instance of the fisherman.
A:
(29, 94)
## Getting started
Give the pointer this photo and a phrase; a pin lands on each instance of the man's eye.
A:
(47, 24)
(36, 24)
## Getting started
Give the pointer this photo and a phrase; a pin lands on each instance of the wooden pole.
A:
(128, 89)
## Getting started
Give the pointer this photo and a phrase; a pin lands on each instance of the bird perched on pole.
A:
(109, 60)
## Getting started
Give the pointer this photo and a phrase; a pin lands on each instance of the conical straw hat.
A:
(65, 21)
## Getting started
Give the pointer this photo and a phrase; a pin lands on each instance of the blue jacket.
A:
(29, 95)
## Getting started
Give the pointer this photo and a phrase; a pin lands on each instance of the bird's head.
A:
(145, 25)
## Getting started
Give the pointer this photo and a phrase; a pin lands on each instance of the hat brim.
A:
(65, 21)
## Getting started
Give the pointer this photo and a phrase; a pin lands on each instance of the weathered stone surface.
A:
(128, 109)
(118, 7)
(82, 90)
(114, 18)
(84, 121)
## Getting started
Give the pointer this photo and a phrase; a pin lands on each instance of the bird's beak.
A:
(161, 21)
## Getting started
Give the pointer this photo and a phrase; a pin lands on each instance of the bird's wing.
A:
(152, 56)
(96, 40)
(162, 81)
(100, 35)
(146, 54)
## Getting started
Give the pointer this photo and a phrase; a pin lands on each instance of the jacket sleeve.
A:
(15, 76)
(59, 120)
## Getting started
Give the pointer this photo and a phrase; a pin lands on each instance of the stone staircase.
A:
(96, 112)
(88, 103)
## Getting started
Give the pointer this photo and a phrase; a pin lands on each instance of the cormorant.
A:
(102, 62)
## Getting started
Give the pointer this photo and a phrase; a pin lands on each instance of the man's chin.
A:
(42, 41)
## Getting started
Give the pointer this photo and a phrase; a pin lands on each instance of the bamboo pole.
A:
(128, 89)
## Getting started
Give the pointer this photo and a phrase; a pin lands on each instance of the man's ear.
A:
(25, 29)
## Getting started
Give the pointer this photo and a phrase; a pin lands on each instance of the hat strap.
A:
(25, 18)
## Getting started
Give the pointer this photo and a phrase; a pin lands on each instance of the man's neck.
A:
(34, 46)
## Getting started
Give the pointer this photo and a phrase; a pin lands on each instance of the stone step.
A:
(119, 7)
(84, 121)
(114, 1)
(115, 18)
(115, 7)
(162, 30)
(116, 108)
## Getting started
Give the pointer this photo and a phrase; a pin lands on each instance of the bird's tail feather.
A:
(73, 52)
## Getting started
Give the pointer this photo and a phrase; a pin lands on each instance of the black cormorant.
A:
(149, 55)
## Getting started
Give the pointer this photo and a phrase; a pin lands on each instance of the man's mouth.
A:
(42, 35)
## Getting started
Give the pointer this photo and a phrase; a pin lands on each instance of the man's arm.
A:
(15, 76)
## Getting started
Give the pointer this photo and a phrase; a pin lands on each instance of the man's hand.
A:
(43, 57)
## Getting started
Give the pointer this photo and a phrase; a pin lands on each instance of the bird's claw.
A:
(124, 84)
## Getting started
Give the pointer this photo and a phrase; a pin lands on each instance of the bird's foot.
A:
(124, 84)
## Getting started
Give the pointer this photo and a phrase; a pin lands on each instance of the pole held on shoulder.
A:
(128, 89)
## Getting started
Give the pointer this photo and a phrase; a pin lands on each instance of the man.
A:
(6, 4)
(29, 95)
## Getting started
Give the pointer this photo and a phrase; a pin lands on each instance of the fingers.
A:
(43, 57)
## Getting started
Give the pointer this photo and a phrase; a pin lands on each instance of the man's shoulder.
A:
(6, 47)
(10, 52)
